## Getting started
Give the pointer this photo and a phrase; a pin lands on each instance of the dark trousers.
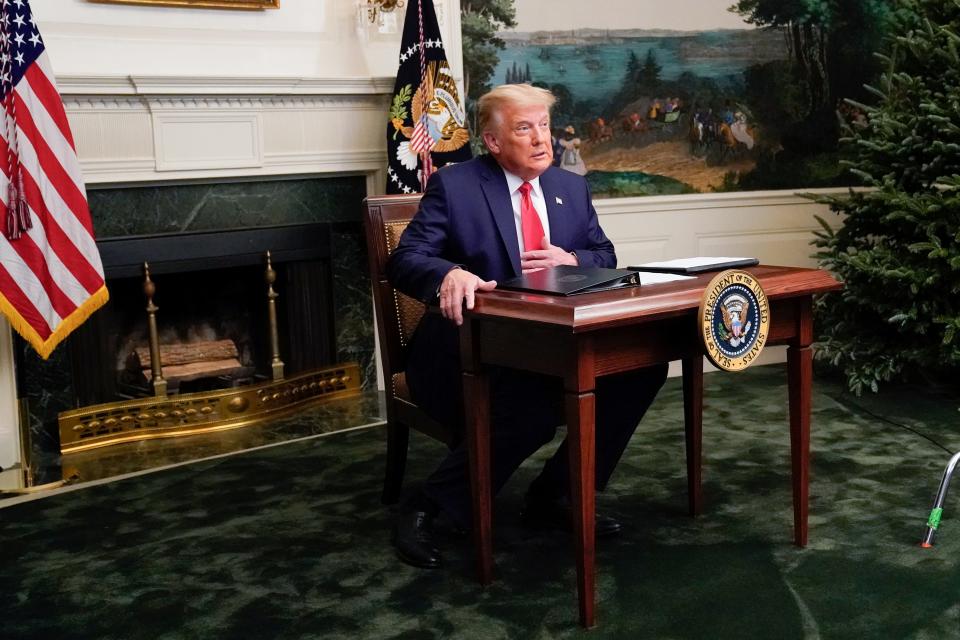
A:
(525, 410)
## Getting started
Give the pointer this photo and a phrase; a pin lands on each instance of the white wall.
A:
(160, 93)
(303, 38)
(774, 226)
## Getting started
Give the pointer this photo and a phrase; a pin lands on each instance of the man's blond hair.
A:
(491, 104)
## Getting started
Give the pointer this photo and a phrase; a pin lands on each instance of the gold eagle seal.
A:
(734, 320)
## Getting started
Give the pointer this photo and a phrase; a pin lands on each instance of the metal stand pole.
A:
(276, 364)
(935, 514)
(26, 442)
(159, 384)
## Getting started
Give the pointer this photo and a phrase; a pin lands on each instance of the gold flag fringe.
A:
(45, 347)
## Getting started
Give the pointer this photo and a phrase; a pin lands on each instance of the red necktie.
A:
(530, 223)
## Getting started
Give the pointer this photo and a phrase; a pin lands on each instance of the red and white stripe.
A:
(426, 160)
(50, 272)
(421, 140)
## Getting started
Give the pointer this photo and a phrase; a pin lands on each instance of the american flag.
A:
(51, 277)
(421, 141)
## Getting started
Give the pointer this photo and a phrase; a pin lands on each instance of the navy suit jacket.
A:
(466, 219)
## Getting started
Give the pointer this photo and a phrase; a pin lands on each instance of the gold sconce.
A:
(378, 13)
(374, 8)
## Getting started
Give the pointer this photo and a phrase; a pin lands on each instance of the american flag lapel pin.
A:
(558, 199)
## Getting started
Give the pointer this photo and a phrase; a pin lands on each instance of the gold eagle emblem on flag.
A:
(443, 122)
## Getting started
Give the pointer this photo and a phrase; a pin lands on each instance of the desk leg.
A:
(580, 432)
(800, 380)
(693, 428)
(476, 391)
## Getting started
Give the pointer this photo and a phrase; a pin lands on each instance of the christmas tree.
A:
(898, 250)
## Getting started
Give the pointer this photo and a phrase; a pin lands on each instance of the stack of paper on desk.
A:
(648, 278)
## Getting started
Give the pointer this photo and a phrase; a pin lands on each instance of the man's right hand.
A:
(458, 286)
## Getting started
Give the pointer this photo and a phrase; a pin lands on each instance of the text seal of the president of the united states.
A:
(734, 320)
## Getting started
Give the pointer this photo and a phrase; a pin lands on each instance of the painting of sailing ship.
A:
(696, 96)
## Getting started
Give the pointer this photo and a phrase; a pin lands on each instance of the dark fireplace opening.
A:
(212, 327)
(212, 318)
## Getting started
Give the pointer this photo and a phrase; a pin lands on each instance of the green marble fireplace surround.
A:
(172, 208)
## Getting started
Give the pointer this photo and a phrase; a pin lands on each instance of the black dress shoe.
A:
(413, 540)
(558, 515)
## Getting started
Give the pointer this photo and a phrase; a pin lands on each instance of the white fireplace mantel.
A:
(164, 128)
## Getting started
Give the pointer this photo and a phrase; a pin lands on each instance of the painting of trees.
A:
(821, 36)
(481, 20)
(830, 45)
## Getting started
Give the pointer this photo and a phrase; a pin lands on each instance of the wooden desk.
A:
(580, 338)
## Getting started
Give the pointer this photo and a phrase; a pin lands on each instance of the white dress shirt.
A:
(536, 195)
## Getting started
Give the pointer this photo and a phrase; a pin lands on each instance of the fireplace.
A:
(213, 316)
(227, 225)
(209, 288)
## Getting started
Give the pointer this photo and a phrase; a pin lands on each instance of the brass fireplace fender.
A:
(203, 412)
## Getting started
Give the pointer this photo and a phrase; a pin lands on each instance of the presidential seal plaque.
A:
(734, 320)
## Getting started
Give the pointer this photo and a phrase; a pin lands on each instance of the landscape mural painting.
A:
(693, 96)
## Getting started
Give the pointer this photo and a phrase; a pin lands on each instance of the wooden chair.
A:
(385, 218)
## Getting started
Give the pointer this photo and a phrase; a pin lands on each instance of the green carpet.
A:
(291, 541)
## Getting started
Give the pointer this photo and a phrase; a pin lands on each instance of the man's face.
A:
(520, 140)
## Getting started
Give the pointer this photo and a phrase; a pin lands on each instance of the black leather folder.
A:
(568, 280)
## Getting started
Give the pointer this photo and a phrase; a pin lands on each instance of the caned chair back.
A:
(385, 218)
(397, 314)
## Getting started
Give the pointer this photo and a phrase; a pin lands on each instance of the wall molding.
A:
(99, 103)
(362, 161)
(135, 128)
(116, 85)
(705, 201)
(208, 140)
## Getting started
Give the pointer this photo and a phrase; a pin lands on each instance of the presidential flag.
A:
(427, 124)
(51, 277)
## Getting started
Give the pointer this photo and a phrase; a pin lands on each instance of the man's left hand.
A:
(548, 256)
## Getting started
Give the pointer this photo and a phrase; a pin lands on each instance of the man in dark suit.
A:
(480, 221)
